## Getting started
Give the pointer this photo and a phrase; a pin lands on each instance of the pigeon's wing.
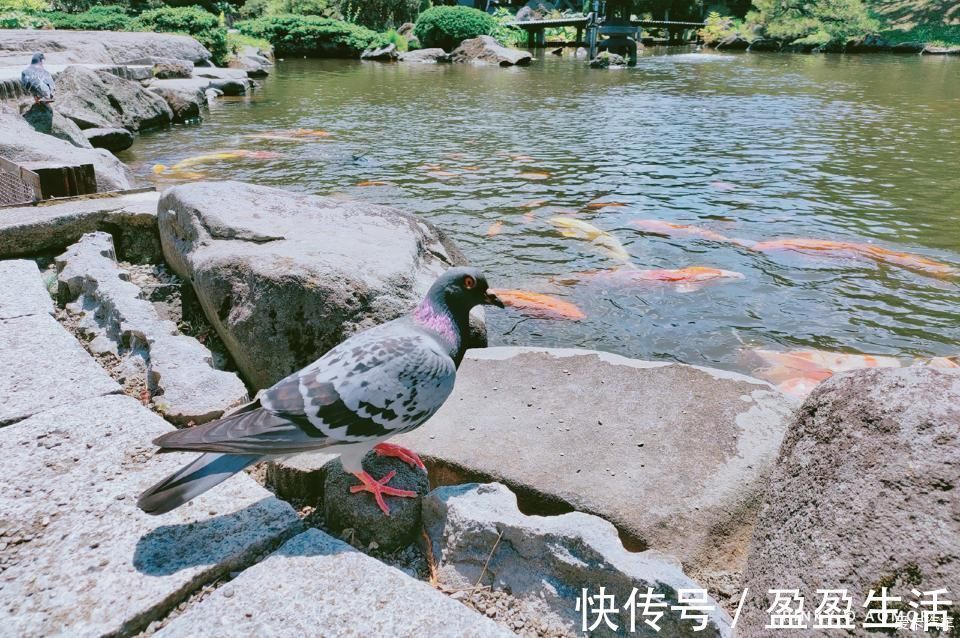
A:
(47, 81)
(366, 389)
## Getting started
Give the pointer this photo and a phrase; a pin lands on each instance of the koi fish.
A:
(683, 280)
(943, 363)
(798, 372)
(304, 132)
(523, 159)
(576, 228)
(670, 229)
(470, 168)
(537, 203)
(877, 253)
(533, 175)
(612, 247)
(215, 157)
(276, 137)
(599, 205)
(723, 186)
(441, 174)
(373, 182)
(539, 305)
(495, 229)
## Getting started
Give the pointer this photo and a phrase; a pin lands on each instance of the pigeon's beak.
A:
(491, 299)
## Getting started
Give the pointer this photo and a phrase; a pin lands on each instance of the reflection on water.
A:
(850, 148)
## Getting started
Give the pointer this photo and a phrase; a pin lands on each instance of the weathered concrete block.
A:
(317, 585)
(43, 366)
(51, 227)
(77, 558)
(177, 369)
(22, 291)
(478, 534)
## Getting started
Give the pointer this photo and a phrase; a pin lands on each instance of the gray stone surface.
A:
(428, 56)
(112, 139)
(44, 119)
(675, 456)
(486, 50)
(315, 585)
(66, 47)
(863, 494)
(22, 291)
(51, 227)
(386, 53)
(19, 142)
(253, 61)
(43, 366)
(168, 69)
(359, 512)
(284, 277)
(185, 100)
(99, 99)
(478, 534)
(177, 369)
(77, 558)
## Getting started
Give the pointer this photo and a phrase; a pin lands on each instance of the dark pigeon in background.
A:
(37, 80)
(378, 383)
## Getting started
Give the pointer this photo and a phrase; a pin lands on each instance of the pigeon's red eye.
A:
(469, 282)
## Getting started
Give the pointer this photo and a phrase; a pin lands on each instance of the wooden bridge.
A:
(536, 29)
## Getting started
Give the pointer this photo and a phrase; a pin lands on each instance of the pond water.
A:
(853, 148)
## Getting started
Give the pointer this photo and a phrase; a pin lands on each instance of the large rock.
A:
(42, 366)
(92, 47)
(486, 50)
(427, 56)
(318, 585)
(78, 558)
(252, 60)
(764, 44)
(98, 99)
(733, 43)
(386, 53)
(112, 139)
(933, 49)
(908, 47)
(22, 291)
(185, 100)
(51, 227)
(20, 143)
(176, 369)
(284, 277)
(44, 119)
(606, 60)
(677, 461)
(171, 69)
(479, 536)
(863, 494)
(360, 512)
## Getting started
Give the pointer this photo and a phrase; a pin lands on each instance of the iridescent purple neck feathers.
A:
(439, 321)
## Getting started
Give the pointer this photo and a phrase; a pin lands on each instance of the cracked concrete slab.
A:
(22, 291)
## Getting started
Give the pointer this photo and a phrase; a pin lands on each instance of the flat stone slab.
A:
(51, 227)
(673, 455)
(22, 291)
(44, 366)
(315, 585)
(77, 558)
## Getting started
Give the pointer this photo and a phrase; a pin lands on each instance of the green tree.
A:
(817, 22)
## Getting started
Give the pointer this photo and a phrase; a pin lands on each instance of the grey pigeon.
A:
(37, 80)
(378, 383)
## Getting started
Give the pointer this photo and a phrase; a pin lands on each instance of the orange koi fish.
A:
(373, 182)
(441, 174)
(943, 363)
(539, 305)
(670, 229)
(495, 229)
(798, 372)
(537, 203)
(533, 175)
(599, 205)
(216, 157)
(840, 248)
(684, 280)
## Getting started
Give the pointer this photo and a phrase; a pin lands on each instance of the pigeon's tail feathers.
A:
(190, 481)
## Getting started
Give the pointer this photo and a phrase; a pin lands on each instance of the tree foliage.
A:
(447, 27)
(194, 21)
(817, 22)
(98, 18)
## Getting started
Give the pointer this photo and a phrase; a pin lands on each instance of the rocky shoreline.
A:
(551, 472)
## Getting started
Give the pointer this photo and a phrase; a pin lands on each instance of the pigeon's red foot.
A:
(407, 456)
(379, 487)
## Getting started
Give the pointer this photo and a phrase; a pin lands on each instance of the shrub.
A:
(21, 20)
(311, 35)
(322, 8)
(817, 22)
(719, 27)
(380, 14)
(392, 37)
(236, 41)
(447, 27)
(24, 6)
(101, 18)
(194, 21)
(509, 36)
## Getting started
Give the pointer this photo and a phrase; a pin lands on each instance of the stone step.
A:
(50, 227)
(316, 585)
(22, 291)
(78, 558)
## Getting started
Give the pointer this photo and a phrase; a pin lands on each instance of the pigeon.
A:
(378, 383)
(37, 80)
